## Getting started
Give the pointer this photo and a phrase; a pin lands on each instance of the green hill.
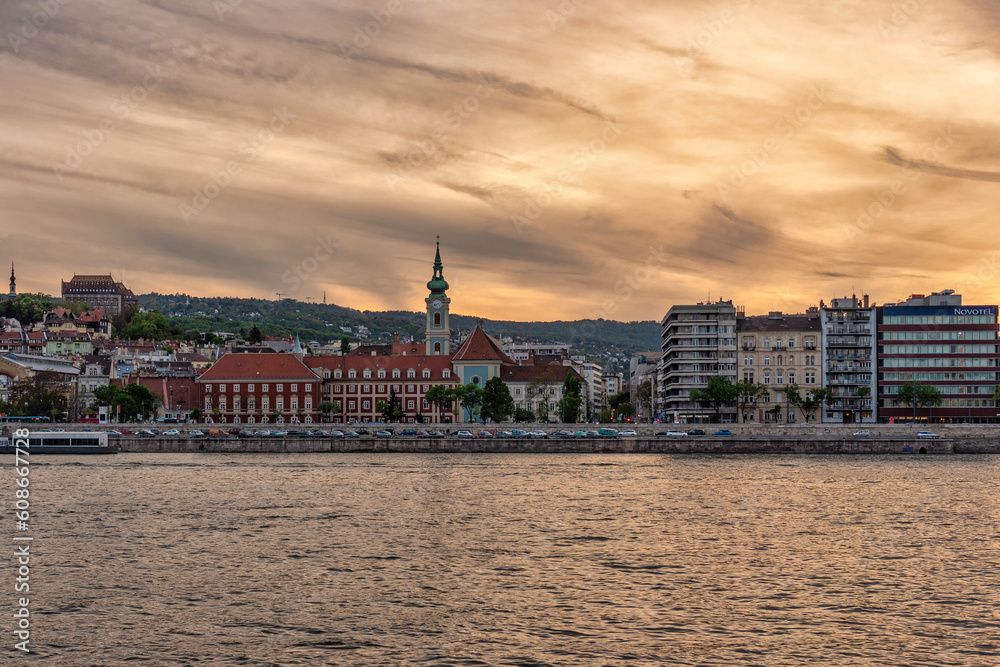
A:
(605, 339)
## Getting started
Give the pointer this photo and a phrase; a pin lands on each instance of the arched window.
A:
(791, 360)
(337, 374)
(367, 373)
(781, 360)
(437, 348)
(767, 360)
(395, 372)
(437, 320)
(411, 373)
(352, 374)
(381, 373)
(427, 373)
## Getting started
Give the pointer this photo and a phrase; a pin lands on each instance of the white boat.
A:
(62, 442)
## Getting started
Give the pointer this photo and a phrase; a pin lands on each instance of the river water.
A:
(374, 559)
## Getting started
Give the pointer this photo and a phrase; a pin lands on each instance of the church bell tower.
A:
(438, 329)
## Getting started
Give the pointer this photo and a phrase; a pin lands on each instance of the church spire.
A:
(438, 284)
(13, 286)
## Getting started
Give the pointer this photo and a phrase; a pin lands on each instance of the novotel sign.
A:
(975, 311)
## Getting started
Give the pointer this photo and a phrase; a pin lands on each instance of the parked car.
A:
(171, 433)
(863, 433)
(504, 434)
(113, 434)
(435, 434)
(383, 434)
(196, 434)
(724, 431)
(408, 433)
(628, 433)
(561, 434)
(579, 434)
(336, 434)
(927, 435)
(464, 434)
(145, 433)
(245, 433)
(607, 433)
(484, 434)
(671, 433)
(696, 431)
(537, 434)
(518, 433)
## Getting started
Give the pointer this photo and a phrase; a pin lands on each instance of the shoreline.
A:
(637, 445)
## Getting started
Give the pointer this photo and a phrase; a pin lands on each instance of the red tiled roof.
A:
(480, 345)
(436, 363)
(528, 372)
(274, 366)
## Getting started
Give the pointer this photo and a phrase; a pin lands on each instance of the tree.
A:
(615, 400)
(470, 398)
(522, 415)
(195, 416)
(345, 345)
(255, 336)
(863, 393)
(440, 396)
(498, 404)
(42, 395)
(747, 396)
(571, 401)
(717, 393)
(327, 407)
(644, 399)
(810, 402)
(625, 411)
(537, 392)
(918, 395)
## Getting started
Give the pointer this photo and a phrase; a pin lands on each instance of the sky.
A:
(578, 159)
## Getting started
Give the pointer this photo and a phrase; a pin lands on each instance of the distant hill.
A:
(605, 339)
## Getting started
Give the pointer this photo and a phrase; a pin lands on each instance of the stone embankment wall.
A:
(698, 445)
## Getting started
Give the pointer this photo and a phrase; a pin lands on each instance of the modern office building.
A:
(699, 343)
(937, 341)
(848, 328)
(779, 350)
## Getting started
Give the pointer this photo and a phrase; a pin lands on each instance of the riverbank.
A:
(691, 445)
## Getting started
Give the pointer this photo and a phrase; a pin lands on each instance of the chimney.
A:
(866, 300)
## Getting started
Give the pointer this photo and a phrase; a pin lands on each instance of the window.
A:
(411, 373)
(208, 388)
(279, 403)
(295, 387)
(352, 405)
(427, 373)
(791, 360)
(780, 360)
(366, 405)
(236, 404)
(395, 372)
(410, 404)
(781, 378)
(236, 387)
(410, 388)
(337, 374)
(294, 403)
(791, 377)
(381, 389)
(326, 374)
(222, 387)
(381, 374)
(208, 404)
(791, 342)
(517, 391)
(437, 348)
(367, 375)
(352, 374)
(767, 378)
(446, 373)
(748, 361)
(309, 387)
(265, 403)
(250, 387)
(437, 320)
(279, 387)
(366, 388)
(810, 378)
(767, 360)
(222, 403)
(263, 387)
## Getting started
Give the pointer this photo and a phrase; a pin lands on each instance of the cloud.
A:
(894, 156)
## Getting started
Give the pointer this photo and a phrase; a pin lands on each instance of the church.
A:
(362, 378)
(12, 294)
